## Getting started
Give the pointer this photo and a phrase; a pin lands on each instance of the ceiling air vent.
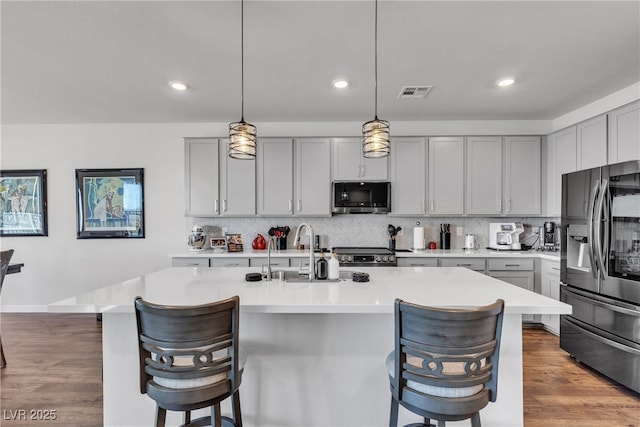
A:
(414, 92)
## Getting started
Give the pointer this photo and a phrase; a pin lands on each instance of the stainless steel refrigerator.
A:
(600, 270)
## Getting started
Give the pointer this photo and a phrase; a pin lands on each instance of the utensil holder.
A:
(281, 243)
(445, 240)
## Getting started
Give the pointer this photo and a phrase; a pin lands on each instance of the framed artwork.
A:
(23, 202)
(110, 203)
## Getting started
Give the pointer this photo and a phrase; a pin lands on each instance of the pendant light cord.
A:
(242, 61)
(376, 62)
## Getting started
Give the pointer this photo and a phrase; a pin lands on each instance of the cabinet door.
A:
(417, 262)
(554, 183)
(313, 177)
(522, 279)
(237, 184)
(347, 159)
(190, 262)
(408, 177)
(550, 287)
(446, 176)
(201, 177)
(522, 175)
(624, 133)
(564, 144)
(591, 143)
(275, 176)
(349, 165)
(483, 194)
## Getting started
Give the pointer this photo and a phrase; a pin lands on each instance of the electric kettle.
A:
(471, 242)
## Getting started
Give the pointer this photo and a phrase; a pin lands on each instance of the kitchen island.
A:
(316, 350)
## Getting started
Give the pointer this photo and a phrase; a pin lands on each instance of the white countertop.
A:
(427, 253)
(435, 286)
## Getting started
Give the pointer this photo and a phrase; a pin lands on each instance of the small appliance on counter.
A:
(548, 233)
(471, 242)
(505, 236)
(197, 239)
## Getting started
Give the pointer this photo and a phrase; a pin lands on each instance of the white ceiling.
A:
(111, 61)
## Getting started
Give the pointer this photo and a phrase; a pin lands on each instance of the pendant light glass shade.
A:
(375, 139)
(242, 135)
(375, 133)
(242, 140)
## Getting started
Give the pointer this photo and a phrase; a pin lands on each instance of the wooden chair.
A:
(5, 258)
(445, 363)
(189, 359)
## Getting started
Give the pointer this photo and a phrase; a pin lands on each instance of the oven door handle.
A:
(591, 231)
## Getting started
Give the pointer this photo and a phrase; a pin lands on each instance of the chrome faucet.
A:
(312, 271)
(270, 244)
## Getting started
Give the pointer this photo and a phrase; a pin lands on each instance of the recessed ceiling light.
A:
(179, 85)
(340, 83)
(507, 81)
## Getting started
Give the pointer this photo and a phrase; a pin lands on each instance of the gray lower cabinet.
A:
(417, 262)
(229, 262)
(518, 272)
(475, 264)
(550, 287)
(190, 262)
(275, 262)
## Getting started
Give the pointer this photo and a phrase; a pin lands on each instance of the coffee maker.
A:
(549, 236)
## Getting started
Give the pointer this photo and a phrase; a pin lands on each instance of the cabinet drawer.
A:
(190, 262)
(510, 264)
(275, 262)
(230, 262)
(477, 264)
(417, 262)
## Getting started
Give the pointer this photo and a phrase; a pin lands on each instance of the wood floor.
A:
(54, 364)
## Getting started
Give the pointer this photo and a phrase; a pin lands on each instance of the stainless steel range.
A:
(365, 257)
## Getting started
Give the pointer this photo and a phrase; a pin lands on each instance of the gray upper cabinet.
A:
(483, 194)
(521, 175)
(349, 165)
(624, 133)
(591, 143)
(237, 184)
(215, 184)
(503, 175)
(312, 184)
(446, 176)
(561, 158)
(201, 177)
(408, 176)
(275, 176)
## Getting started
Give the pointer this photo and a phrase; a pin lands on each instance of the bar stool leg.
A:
(3, 361)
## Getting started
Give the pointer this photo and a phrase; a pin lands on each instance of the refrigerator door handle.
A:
(598, 222)
(591, 230)
(606, 204)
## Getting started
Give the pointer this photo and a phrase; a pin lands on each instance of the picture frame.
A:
(110, 203)
(23, 202)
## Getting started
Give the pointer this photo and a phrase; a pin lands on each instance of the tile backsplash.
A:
(368, 229)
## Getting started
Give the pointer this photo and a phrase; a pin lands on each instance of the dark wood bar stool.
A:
(445, 363)
(5, 258)
(189, 359)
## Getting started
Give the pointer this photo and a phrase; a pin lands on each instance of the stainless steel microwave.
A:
(361, 197)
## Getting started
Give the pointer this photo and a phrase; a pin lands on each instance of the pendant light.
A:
(242, 135)
(375, 133)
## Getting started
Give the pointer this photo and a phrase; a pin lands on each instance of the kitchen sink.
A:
(295, 276)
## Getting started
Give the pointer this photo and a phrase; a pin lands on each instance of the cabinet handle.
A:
(512, 265)
(463, 265)
(431, 205)
(290, 206)
(224, 205)
(508, 205)
(423, 205)
(499, 205)
(215, 208)
(299, 205)
(555, 268)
